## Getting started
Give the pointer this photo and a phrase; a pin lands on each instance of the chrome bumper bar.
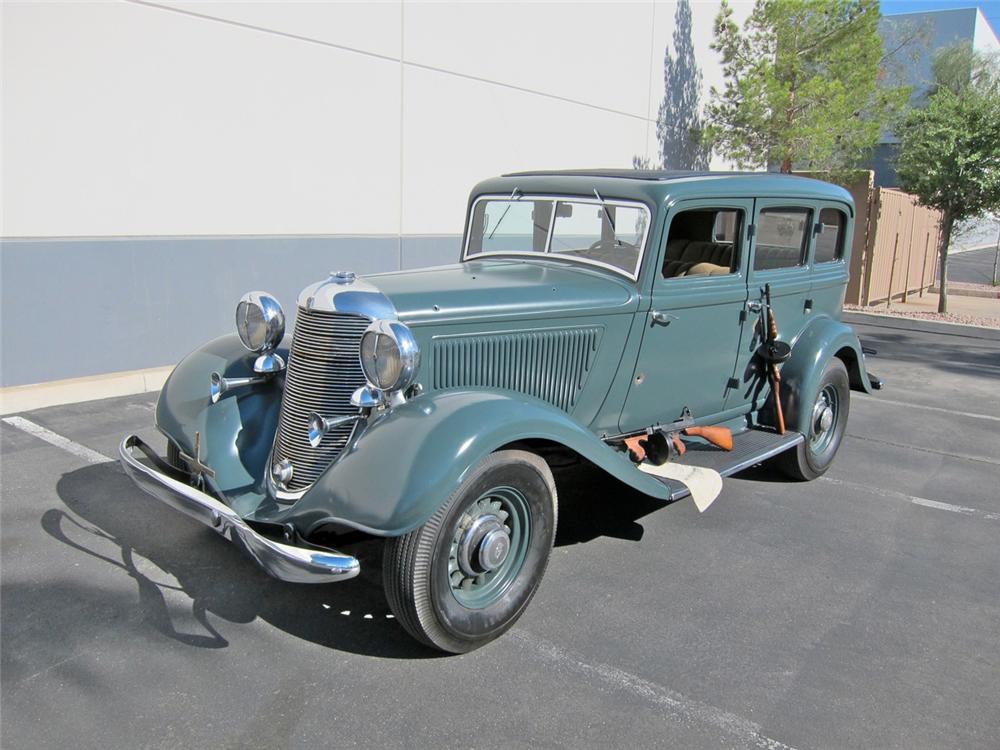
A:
(283, 561)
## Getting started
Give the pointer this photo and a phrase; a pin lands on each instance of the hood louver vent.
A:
(549, 365)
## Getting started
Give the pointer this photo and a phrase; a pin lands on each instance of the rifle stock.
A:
(720, 437)
(772, 335)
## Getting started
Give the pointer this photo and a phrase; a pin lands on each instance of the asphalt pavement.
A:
(860, 610)
(972, 266)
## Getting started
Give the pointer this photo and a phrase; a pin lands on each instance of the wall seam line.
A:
(386, 58)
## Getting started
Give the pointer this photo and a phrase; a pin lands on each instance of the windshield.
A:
(607, 233)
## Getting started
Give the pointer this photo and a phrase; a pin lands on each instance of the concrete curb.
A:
(968, 292)
(925, 326)
(18, 398)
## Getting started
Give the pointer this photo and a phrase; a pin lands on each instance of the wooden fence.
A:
(895, 244)
(902, 249)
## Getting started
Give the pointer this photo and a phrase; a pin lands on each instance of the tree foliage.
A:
(949, 150)
(804, 85)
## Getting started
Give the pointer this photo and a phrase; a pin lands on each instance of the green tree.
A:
(949, 150)
(804, 85)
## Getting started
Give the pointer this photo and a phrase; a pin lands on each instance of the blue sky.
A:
(990, 8)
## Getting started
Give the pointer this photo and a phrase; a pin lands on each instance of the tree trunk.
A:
(786, 165)
(946, 225)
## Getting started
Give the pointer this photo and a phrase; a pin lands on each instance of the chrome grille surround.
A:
(323, 371)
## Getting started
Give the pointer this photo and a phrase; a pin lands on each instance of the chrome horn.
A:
(320, 425)
(220, 384)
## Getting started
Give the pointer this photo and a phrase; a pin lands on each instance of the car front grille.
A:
(323, 372)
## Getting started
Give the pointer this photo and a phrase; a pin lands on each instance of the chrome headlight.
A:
(390, 356)
(260, 321)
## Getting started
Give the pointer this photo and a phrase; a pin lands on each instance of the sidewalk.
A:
(973, 311)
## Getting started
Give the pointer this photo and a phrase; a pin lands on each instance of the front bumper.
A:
(283, 561)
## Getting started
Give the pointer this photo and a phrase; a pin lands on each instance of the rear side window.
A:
(830, 240)
(781, 238)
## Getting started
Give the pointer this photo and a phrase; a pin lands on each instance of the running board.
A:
(749, 448)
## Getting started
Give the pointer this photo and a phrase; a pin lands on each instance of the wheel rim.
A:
(488, 547)
(825, 414)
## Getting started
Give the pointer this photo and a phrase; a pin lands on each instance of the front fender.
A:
(237, 431)
(822, 339)
(402, 467)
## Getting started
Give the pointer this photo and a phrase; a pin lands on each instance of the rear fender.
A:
(403, 466)
(822, 339)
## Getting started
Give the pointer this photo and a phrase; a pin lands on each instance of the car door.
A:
(691, 332)
(782, 234)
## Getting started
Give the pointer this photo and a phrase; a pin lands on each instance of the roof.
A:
(656, 175)
(655, 186)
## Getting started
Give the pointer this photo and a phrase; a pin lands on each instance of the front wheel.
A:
(467, 574)
(827, 422)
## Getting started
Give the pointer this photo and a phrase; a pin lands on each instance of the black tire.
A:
(811, 458)
(429, 588)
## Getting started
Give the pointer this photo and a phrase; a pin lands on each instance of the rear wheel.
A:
(467, 574)
(827, 423)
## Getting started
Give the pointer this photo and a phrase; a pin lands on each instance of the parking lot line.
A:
(910, 405)
(80, 451)
(746, 732)
(911, 447)
(915, 500)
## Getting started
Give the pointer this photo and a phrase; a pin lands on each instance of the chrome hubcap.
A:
(484, 545)
(824, 419)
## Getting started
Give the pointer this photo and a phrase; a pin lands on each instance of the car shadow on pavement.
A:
(594, 504)
(174, 559)
(175, 562)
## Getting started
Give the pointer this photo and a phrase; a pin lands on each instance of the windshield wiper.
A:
(607, 215)
(513, 197)
(605, 209)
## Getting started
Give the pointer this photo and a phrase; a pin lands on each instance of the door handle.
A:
(662, 318)
(755, 306)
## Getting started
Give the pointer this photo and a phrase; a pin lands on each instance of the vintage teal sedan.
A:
(602, 315)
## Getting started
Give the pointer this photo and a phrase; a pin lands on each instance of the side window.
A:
(830, 240)
(704, 242)
(782, 234)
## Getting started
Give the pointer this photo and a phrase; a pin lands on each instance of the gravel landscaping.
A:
(965, 319)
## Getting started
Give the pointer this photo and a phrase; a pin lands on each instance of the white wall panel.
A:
(372, 26)
(984, 38)
(700, 37)
(121, 119)
(595, 52)
(458, 132)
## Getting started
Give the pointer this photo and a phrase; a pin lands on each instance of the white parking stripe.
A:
(80, 451)
(684, 709)
(911, 405)
(936, 504)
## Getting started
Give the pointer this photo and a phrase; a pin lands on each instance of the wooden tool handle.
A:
(720, 437)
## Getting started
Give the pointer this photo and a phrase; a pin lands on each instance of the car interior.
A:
(702, 243)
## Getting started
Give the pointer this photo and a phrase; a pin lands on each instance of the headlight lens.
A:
(389, 355)
(260, 321)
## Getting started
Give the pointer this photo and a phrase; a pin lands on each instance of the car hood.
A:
(504, 289)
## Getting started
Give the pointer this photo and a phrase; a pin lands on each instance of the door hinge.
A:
(733, 383)
(743, 316)
(750, 230)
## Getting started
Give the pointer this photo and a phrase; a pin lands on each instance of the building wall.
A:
(161, 158)
(942, 28)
